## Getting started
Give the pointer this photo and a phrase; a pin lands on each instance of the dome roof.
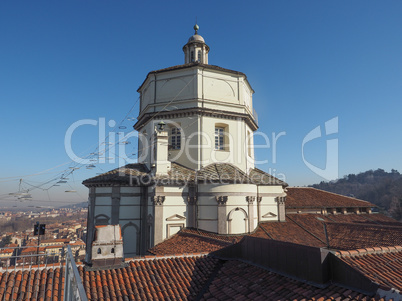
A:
(196, 38)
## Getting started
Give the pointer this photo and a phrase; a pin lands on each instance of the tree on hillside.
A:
(396, 208)
(375, 186)
(5, 241)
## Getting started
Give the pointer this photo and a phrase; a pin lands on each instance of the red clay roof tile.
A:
(383, 268)
(307, 197)
(240, 281)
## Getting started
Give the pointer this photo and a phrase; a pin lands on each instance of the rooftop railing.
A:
(19, 264)
(73, 288)
(35, 258)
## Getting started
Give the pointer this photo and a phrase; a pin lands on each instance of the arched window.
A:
(199, 56)
(101, 219)
(112, 251)
(192, 56)
(99, 251)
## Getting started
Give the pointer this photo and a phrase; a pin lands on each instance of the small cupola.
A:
(196, 50)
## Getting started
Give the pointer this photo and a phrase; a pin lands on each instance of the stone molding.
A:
(281, 200)
(192, 200)
(221, 200)
(158, 200)
(250, 199)
(269, 214)
(248, 118)
(175, 217)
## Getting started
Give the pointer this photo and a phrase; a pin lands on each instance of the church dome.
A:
(196, 38)
(196, 50)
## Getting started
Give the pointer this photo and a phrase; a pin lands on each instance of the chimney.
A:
(107, 247)
(281, 208)
(161, 162)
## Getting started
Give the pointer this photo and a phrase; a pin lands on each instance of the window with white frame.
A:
(175, 138)
(219, 138)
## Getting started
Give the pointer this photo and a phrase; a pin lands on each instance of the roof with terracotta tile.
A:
(307, 197)
(314, 225)
(46, 284)
(159, 279)
(216, 172)
(78, 243)
(308, 229)
(230, 238)
(305, 229)
(194, 241)
(374, 218)
(263, 178)
(381, 265)
(54, 247)
(241, 281)
(55, 240)
(32, 250)
(356, 236)
(119, 175)
(222, 172)
(177, 278)
(6, 251)
(229, 173)
(288, 231)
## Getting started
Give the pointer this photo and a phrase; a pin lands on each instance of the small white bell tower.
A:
(196, 50)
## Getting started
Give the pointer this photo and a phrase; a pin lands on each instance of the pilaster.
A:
(191, 207)
(250, 201)
(144, 238)
(222, 223)
(259, 199)
(90, 224)
(158, 201)
(115, 205)
(192, 215)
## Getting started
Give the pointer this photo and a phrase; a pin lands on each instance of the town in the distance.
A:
(21, 246)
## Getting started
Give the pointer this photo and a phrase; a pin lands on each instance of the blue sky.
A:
(308, 62)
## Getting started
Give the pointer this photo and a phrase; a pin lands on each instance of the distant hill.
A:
(78, 205)
(379, 187)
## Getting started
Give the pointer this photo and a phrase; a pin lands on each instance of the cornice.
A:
(196, 111)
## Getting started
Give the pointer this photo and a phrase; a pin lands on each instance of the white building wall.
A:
(209, 89)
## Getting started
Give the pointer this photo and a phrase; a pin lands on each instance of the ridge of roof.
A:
(367, 251)
(366, 225)
(166, 256)
(255, 169)
(304, 228)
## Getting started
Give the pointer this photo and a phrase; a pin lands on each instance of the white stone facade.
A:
(195, 161)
